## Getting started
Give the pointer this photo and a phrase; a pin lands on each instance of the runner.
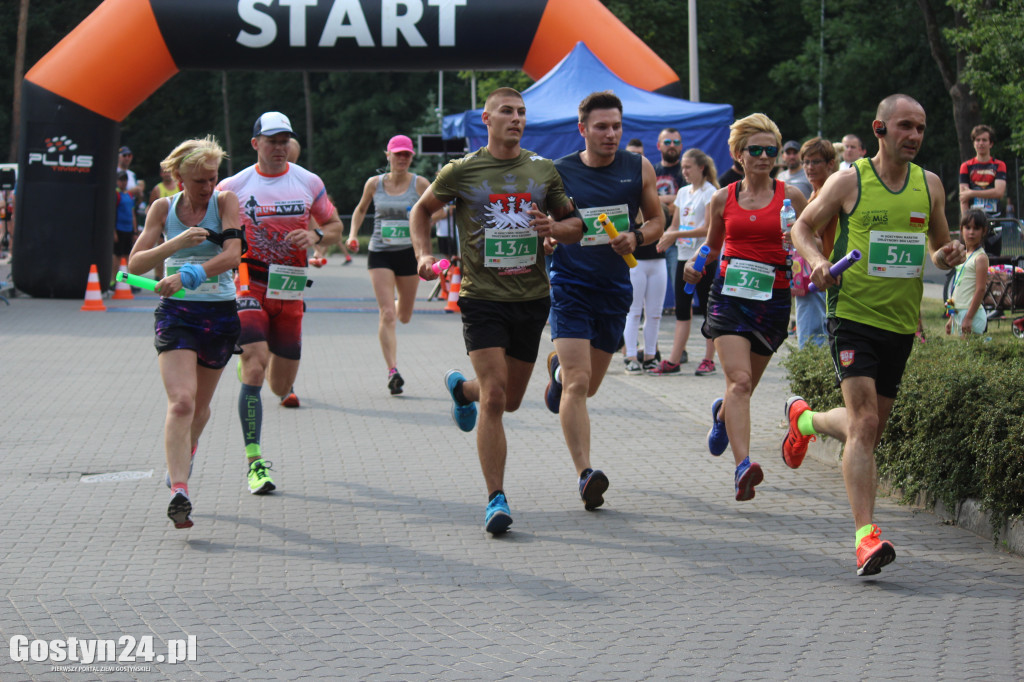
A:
(502, 194)
(888, 208)
(277, 199)
(195, 335)
(590, 286)
(391, 260)
(749, 302)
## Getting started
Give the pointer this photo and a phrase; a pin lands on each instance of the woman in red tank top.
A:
(749, 303)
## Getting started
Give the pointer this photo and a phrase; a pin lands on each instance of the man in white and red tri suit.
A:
(277, 199)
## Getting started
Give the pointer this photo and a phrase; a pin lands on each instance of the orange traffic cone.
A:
(443, 291)
(93, 297)
(123, 292)
(453, 292)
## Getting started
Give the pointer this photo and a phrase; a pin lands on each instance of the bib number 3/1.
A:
(286, 282)
(749, 279)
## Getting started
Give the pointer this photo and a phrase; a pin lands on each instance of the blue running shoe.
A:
(718, 437)
(748, 474)
(592, 488)
(498, 517)
(553, 393)
(464, 416)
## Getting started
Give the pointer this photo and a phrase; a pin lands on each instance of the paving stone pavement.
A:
(370, 561)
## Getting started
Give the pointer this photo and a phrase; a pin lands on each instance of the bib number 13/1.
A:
(896, 254)
(286, 282)
(509, 248)
(749, 279)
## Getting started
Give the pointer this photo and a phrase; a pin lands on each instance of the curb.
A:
(967, 515)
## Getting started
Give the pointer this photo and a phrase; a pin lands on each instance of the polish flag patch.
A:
(918, 218)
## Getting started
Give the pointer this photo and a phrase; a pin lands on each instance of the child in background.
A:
(970, 279)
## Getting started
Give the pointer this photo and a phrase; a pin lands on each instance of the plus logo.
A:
(60, 155)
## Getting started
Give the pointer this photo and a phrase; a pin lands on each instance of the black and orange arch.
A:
(73, 102)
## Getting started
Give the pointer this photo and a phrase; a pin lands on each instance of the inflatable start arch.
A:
(73, 103)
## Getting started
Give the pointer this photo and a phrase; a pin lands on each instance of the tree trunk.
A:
(19, 74)
(966, 110)
(311, 155)
(227, 120)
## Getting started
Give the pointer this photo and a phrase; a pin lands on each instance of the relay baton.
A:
(612, 234)
(698, 265)
(243, 277)
(837, 269)
(440, 266)
(318, 262)
(145, 283)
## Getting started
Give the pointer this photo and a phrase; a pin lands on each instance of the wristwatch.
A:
(319, 235)
(638, 233)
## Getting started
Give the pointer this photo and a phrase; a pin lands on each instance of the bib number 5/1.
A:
(896, 254)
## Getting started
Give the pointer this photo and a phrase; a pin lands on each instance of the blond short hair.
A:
(192, 155)
(742, 129)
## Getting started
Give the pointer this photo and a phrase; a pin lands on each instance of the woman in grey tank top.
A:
(391, 260)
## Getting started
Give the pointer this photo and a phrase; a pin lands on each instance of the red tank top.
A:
(755, 235)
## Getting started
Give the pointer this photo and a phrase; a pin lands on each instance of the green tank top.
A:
(883, 289)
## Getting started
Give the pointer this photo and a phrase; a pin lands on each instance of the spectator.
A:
(983, 178)
(125, 225)
(793, 173)
(853, 149)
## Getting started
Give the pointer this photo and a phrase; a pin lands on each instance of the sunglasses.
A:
(672, 142)
(757, 150)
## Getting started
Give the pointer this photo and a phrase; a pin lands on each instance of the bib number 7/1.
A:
(286, 282)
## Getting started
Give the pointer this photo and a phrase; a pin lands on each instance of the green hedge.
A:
(957, 427)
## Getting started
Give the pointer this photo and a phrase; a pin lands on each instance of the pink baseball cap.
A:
(400, 143)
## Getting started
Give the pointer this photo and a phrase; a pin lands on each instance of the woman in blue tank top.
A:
(391, 260)
(195, 335)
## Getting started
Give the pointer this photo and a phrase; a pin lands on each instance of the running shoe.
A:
(650, 365)
(497, 517)
(873, 553)
(593, 484)
(179, 510)
(684, 358)
(192, 462)
(290, 400)
(718, 437)
(464, 416)
(348, 260)
(705, 368)
(553, 392)
(794, 446)
(666, 368)
(633, 367)
(395, 381)
(260, 482)
(748, 474)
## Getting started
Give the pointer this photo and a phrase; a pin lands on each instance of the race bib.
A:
(286, 282)
(986, 205)
(748, 279)
(896, 254)
(595, 234)
(510, 248)
(209, 285)
(395, 232)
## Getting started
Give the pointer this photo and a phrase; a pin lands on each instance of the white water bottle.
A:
(787, 216)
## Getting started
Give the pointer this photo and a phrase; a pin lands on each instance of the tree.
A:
(991, 38)
(19, 72)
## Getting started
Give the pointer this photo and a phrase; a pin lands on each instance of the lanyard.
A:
(960, 270)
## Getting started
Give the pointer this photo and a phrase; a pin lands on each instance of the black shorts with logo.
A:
(515, 326)
(860, 350)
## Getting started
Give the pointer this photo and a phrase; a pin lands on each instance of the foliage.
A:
(993, 38)
(957, 427)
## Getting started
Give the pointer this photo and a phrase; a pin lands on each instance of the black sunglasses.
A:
(757, 150)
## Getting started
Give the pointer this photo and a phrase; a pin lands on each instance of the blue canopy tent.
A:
(551, 113)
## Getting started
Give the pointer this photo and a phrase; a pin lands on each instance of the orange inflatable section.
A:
(115, 29)
(567, 22)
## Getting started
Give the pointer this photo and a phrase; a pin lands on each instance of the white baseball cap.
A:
(272, 123)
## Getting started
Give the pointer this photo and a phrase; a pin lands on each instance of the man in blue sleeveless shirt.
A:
(590, 287)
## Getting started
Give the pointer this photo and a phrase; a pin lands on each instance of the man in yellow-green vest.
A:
(893, 212)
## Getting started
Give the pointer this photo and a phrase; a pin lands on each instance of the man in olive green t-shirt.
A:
(507, 200)
(893, 211)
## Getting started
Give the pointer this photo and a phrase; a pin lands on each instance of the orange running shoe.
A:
(873, 553)
(290, 400)
(794, 447)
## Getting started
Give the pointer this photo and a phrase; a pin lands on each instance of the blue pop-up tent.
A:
(551, 113)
